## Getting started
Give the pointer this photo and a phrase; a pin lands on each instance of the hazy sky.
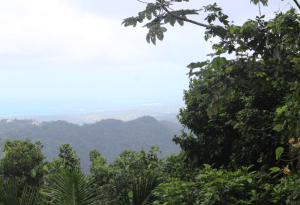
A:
(74, 49)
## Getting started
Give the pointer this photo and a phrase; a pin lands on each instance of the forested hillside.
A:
(244, 144)
(109, 136)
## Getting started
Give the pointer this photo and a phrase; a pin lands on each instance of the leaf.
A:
(160, 35)
(148, 37)
(278, 128)
(167, 19)
(33, 173)
(180, 22)
(163, 29)
(278, 152)
(153, 39)
(72, 186)
(148, 16)
(211, 120)
(192, 66)
(172, 21)
(216, 196)
(4, 153)
(228, 69)
(275, 169)
(280, 110)
(45, 168)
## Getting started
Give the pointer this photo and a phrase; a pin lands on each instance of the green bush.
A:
(218, 186)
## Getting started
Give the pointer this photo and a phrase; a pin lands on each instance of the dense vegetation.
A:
(243, 115)
(109, 136)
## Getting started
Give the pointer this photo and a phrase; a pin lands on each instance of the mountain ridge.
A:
(109, 136)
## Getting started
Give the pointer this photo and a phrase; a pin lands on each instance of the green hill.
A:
(109, 136)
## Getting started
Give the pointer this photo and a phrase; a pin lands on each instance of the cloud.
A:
(59, 33)
(38, 32)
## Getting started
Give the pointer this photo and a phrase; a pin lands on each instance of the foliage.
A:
(71, 187)
(155, 29)
(258, 87)
(230, 109)
(175, 192)
(116, 180)
(30, 195)
(111, 182)
(275, 75)
(141, 190)
(142, 132)
(215, 141)
(224, 84)
(22, 163)
(212, 186)
(69, 156)
(276, 72)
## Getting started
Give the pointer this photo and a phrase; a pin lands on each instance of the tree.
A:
(69, 156)
(67, 159)
(121, 180)
(23, 163)
(61, 174)
(222, 89)
(116, 180)
(70, 187)
(264, 89)
(270, 77)
(30, 195)
(7, 134)
(155, 29)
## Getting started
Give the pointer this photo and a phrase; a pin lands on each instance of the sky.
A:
(63, 51)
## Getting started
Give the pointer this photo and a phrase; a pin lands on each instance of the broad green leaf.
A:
(45, 168)
(211, 120)
(278, 152)
(275, 169)
(216, 196)
(33, 173)
(4, 153)
(278, 127)
(280, 110)
(228, 69)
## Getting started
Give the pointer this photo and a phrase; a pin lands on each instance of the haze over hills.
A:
(124, 115)
(109, 136)
(80, 113)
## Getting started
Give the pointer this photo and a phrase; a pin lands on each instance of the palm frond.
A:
(71, 187)
(9, 196)
(141, 190)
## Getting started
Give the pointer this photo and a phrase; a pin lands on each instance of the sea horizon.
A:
(21, 108)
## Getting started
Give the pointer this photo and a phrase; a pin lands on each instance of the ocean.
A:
(15, 108)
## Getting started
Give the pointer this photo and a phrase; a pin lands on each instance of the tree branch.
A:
(194, 22)
(296, 2)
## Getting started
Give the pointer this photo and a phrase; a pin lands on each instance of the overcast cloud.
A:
(75, 49)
